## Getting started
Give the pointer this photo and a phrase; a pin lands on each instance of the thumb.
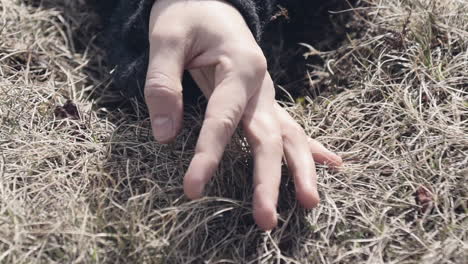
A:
(163, 91)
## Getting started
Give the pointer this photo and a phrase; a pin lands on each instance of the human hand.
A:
(211, 39)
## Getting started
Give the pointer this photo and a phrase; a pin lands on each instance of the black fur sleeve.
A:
(126, 35)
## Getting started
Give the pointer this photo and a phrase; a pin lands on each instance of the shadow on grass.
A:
(321, 24)
(146, 207)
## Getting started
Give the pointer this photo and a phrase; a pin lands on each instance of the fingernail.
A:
(200, 191)
(336, 159)
(193, 188)
(163, 127)
(194, 193)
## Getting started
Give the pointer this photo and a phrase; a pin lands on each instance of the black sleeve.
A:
(126, 25)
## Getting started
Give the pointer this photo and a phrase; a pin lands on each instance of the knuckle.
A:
(226, 120)
(159, 84)
(226, 124)
(226, 63)
(168, 38)
(272, 142)
(264, 132)
(251, 62)
(257, 65)
(293, 129)
(155, 78)
(258, 62)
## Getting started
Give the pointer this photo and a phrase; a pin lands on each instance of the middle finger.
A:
(262, 132)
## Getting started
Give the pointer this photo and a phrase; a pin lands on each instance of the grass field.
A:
(81, 183)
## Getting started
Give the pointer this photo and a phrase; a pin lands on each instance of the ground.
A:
(84, 182)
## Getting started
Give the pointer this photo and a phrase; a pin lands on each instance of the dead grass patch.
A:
(95, 188)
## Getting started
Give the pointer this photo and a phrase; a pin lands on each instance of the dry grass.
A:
(95, 188)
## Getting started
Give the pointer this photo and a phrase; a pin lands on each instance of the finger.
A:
(224, 110)
(221, 119)
(226, 105)
(324, 156)
(264, 137)
(299, 159)
(163, 88)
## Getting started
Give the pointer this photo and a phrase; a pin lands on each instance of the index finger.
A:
(222, 116)
(235, 83)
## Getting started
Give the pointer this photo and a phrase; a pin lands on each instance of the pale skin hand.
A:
(211, 39)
